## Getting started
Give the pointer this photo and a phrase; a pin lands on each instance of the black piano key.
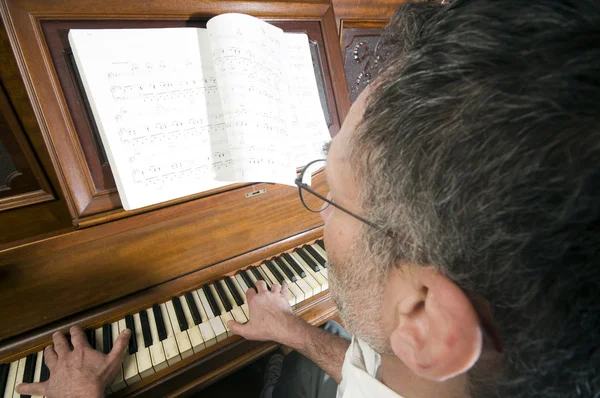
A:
(29, 368)
(91, 338)
(248, 281)
(4, 368)
(45, 372)
(106, 338)
(275, 272)
(320, 243)
(193, 308)
(259, 276)
(315, 255)
(298, 269)
(160, 322)
(309, 261)
(288, 272)
(224, 300)
(234, 292)
(145, 328)
(183, 325)
(212, 302)
(133, 348)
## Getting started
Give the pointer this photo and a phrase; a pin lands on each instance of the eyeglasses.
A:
(313, 191)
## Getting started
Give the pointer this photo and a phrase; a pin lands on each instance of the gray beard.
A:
(357, 289)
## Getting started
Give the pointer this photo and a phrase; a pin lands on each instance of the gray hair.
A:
(480, 144)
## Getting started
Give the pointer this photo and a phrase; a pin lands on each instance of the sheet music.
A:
(308, 128)
(155, 100)
(247, 55)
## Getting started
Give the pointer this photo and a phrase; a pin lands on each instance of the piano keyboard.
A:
(168, 332)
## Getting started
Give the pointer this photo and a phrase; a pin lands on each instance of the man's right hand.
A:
(271, 317)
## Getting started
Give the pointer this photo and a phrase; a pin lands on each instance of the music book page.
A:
(185, 110)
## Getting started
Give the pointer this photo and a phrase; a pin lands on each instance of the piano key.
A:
(11, 379)
(236, 311)
(312, 250)
(225, 315)
(45, 373)
(106, 338)
(322, 252)
(160, 323)
(249, 282)
(286, 271)
(4, 369)
(299, 271)
(193, 331)
(132, 340)
(215, 321)
(221, 293)
(29, 368)
(19, 376)
(130, 369)
(266, 275)
(275, 272)
(307, 259)
(157, 351)
(119, 381)
(211, 300)
(292, 287)
(181, 337)
(99, 339)
(238, 286)
(205, 327)
(145, 328)
(189, 298)
(267, 272)
(229, 281)
(301, 283)
(182, 322)
(144, 362)
(260, 277)
(308, 278)
(169, 343)
(242, 283)
(321, 244)
(37, 372)
(319, 276)
(91, 338)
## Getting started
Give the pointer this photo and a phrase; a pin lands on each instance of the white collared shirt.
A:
(360, 373)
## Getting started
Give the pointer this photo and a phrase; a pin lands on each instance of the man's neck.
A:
(395, 375)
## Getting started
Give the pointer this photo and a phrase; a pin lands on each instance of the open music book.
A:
(185, 110)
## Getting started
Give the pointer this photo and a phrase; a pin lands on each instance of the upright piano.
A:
(174, 272)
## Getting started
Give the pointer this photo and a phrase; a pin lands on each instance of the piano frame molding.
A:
(88, 201)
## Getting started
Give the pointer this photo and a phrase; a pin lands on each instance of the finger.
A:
(261, 286)
(50, 356)
(32, 388)
(250, 293)
(275, 288)
(120, 345)
(237, 328)
(78, 338)
(61, 345)
(284, 290)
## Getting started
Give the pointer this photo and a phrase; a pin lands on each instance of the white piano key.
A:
(170, 343)
(215, 321)
(205, 327)
(99, 340)
(19, 376)
(142, 355)
(320, 278)
(266, 271)
(242, 293)
(296, 291)
(236, 311)
(305, 287)
(181, 337)
(193, 331)
(319, 250)
(11, 381)
(323, 272)
(119, 381)
(38, 371)
(225, 316)
(157, 351)
(309, 279)
(130, 369)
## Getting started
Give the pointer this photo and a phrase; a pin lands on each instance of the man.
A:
(462, 229)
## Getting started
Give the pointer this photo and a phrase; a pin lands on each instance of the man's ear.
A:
(436, 332)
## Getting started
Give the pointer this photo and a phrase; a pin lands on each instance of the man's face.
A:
(355, 280)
